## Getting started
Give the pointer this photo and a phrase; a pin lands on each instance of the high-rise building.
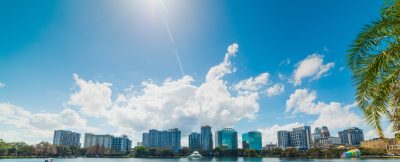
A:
(316, 136)
(98, 140)
(325, 132)
(252, 140)
(317, 130)
(283, 139)
(216, 138)
(227, 137)
(322, 138)
(145, 139)
(116, 144)
(194, 141)
(298, 137)
(164, 139)
(121, 144)
(66, 138)
(176, 138)
(352, 136)
(153, 139)
(301, 137)
(206, 141)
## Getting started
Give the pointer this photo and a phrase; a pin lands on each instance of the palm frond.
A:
(374, 59)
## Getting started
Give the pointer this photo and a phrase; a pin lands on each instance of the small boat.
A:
(195, 155)
(49, 160)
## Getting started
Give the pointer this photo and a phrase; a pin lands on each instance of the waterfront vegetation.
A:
(141, 151)
(45, 149)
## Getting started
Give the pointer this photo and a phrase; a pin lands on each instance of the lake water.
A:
(202, 160)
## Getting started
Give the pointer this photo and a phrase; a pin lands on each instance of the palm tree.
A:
(374, 59)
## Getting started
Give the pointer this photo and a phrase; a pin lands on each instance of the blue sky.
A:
(114, 45)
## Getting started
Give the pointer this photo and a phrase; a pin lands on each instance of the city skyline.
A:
(125, 67)
(300, 138)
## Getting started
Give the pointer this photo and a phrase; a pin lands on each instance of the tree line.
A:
(46, 149)
(141, 151)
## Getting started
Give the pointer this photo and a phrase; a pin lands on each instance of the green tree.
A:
(13, 151)
(46, 149)
(218, 151)
(185, 151)
(167, 152)
(21, 148)
(290, 152)
(250, 153)
(315, 152)
(141, 151)
(3, 148)
(374, 59)
(272, 152)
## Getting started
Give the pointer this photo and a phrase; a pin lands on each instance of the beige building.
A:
(377, 143)
(394, 149)
(97, 140)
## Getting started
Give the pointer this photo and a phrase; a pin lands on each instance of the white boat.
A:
(48, 160)
(195, 155)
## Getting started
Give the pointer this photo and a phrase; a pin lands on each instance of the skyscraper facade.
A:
(194, 141)
(145, 139)
(66, 138)
(98, 140)
(352, 136)
(121, 144)
(252, 140)
(298, 137)
(227, 137)
(206, 141)
(325, 132)
(301, 137)
(164, 139)
(153, 138)
(316, 136)
(283, 139)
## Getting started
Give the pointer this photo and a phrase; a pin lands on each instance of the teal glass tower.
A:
(227, 137)
(252, 140)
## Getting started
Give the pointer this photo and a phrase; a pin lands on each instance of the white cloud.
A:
(217, 72)
(93, 98)
(2, 85)
(252, 84)
(232, 50)
(174, 103)
(35, 127)
(333, 115)
(302, 101)
(276, 89)
(311, 67)
(270, 133)
(64, 119)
